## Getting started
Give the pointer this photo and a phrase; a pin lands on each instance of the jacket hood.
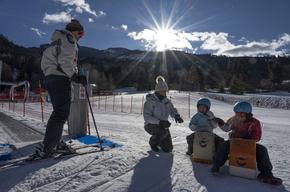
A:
(58, 33)
(151, 96)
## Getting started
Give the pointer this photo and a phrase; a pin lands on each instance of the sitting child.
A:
(244, 125)
(204, 121)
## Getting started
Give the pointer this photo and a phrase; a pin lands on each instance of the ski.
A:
(21, 159)
(83, 153)
(56, 156)
(88, 145)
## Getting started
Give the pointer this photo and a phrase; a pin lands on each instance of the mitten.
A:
(210, 114)
(247, 136)
(80, 79)
(164, 123)
(219, 121)
(178, 119)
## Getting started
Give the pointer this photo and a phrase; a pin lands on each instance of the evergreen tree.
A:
(195, 78)
(243, 71)
(275, 73)
(235, 86)
(111, 84)
(222, 89)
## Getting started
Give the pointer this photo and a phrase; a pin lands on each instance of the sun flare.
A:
(163, 39)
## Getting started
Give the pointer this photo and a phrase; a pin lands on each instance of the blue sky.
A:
(227, 27)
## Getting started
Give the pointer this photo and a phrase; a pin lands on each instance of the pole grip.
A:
(82, 71)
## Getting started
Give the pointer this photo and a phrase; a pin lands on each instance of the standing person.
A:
(156, 111)
(59, 65)
(203, 121)
(244, 125)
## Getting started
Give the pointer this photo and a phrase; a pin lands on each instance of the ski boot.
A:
(63, 147)
(272, 181)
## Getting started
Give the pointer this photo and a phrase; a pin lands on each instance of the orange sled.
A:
(242, 161)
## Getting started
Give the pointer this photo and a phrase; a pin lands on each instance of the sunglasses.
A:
(240, 114)
(81, 33)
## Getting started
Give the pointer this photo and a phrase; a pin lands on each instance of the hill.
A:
(120, 67)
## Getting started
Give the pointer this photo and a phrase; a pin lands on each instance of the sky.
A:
(221, 27)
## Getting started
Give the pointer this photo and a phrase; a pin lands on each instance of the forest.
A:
(120, 67)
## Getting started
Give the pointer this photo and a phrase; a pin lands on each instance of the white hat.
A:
(161, 85)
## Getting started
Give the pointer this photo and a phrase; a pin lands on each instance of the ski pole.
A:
(88, 99)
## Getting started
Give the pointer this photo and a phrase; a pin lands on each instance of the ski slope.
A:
(135, 168)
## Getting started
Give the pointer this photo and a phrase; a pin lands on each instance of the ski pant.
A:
(263, 161)
(190, 139)
(160, 137)
(59, 89)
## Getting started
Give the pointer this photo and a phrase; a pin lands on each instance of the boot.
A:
(189, 150)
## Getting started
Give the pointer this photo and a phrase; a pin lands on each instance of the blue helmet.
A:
(204, 101)
(243, 106)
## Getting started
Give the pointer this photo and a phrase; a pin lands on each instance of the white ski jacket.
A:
(155, 110)
(60, 57)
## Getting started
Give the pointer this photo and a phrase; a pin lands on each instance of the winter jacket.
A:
(203, 122)
(62, 53)
(250, 126)
(155, 110)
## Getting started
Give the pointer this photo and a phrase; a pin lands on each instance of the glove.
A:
(247, 136)
(80, 79)
(164, 123)
(178, 119)
(218, 121)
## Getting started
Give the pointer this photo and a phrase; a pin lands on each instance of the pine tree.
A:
(222, 89)
(275, 73)
(235, 86)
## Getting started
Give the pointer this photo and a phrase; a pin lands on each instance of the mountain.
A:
(182, 70)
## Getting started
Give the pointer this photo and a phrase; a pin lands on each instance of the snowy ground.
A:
(139, 169)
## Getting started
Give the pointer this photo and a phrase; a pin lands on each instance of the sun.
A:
(163, 39)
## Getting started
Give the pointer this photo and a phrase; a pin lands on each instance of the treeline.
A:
(119, 67)
(189, 72)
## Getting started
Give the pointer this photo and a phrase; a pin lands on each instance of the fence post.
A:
(142, 105)
(114, 104)
(121, 104)
(9, 103)
(106, 103)
(188, 105)
(99, 102)
(131, 104)
(93, 101)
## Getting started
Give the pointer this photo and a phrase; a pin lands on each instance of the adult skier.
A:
(59, 65)
(244, 125)
(156, 111)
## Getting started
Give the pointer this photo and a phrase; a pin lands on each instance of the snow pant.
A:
(59, 89)
(190, 139)
(160, 137)
(263, 161)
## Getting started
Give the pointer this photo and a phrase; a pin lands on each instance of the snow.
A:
(136, 168)
(141, 57)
